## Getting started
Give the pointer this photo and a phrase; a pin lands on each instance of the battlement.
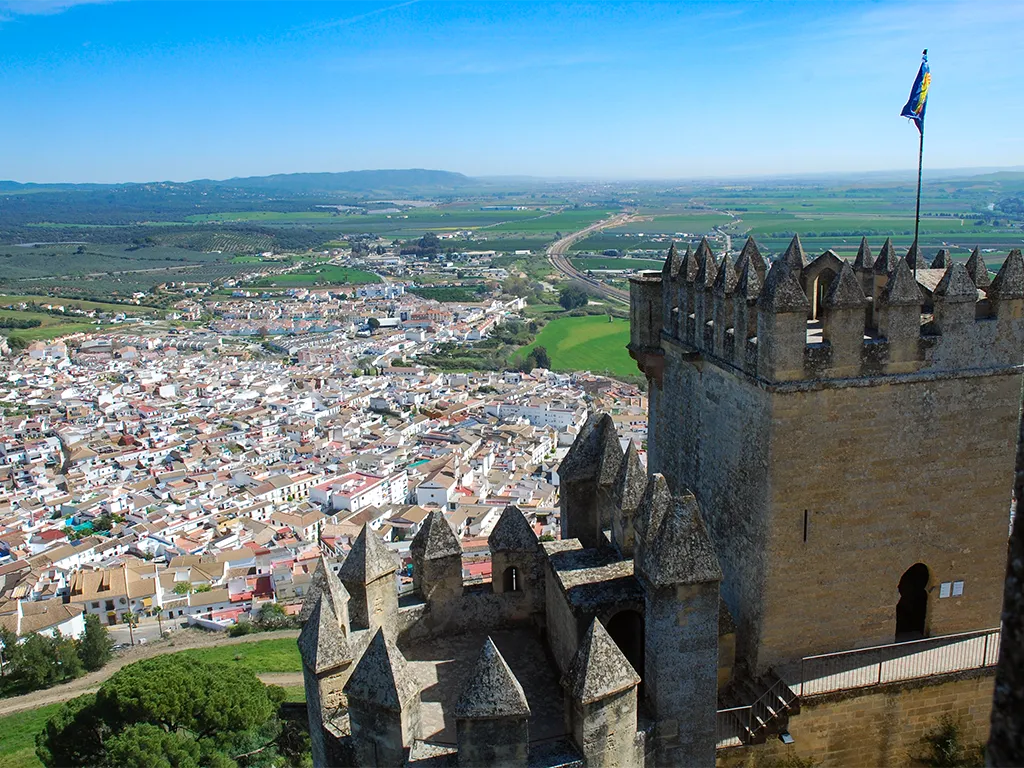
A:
(801, 320)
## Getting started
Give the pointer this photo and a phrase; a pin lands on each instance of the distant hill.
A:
(413, 179)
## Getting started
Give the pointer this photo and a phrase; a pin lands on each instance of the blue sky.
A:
(136, 91)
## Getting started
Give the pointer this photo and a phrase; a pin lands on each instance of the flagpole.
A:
(917, 211)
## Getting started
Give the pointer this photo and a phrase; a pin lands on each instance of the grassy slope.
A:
(612, 263)
(128, 309)
(18, 742)
(585, 344)
(325, 275)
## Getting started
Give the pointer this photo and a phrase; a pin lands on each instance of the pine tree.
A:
(95, 646)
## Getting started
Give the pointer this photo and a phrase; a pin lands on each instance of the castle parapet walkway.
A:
(854, 669)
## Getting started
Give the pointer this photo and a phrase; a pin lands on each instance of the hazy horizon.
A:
(129, 91)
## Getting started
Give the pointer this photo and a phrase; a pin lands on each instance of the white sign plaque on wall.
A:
(958, 588)
(944, 589)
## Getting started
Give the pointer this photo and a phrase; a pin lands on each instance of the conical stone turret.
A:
(384, 705)
(436, 560)
(492, 714)
(587, 474)
(368, 574)
(630, 483)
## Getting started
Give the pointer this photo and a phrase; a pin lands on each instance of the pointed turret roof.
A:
(845, 291)
(631, 480)
(782, 291)
(435, 539)
(599, 669)
(956, 285)
(323, 578)
(749, 284)
(901, 290)
(794, 257)
(690, 265)
(726, 279)
(672, 262)
(322, 643)
(707, 267)
(887, 259)
(594, 454)
(914, 256)
(679, 550)
(977, 270)
(652, 506)
(942, 259)
(512, 533)
(381, 676)
(864, 260)
(368, 560)
(1009, 283)
(491, 691)
(751, 254)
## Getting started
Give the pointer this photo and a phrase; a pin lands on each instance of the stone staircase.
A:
(752, 709)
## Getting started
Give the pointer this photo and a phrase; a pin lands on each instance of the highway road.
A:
(559, 260)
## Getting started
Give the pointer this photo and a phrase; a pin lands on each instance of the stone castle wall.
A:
(878, 726)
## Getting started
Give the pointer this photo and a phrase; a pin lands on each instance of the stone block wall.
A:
(878, 726)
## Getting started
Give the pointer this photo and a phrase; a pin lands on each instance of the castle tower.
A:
(492, 714)
(678, 569)
(629, 490)
(368, 574)
(772, 443)
(516, 563)
(326, 654)
(587, 475)
(601, 702)
(436, 560)
(383, 705)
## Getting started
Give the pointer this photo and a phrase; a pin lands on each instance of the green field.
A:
(277, 655)
(128, 309)
(329, 275)
(585, 344)
(606, 262)
(564, 222)
(692, 224)
(18, 745)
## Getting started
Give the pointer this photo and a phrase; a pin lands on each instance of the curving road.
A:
(559, 260)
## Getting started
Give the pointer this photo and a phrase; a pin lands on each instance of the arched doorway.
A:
(627, 630)
(912, 609)
(510, 580)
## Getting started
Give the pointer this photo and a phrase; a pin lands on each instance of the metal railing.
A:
(741, 725)
(895, 662)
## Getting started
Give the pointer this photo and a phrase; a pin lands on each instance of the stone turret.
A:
(899, 314)
(864, 267)
(748, 289)
(977, 270)
(601, 702)
(492, 714)
(677, 565)
(707, 271)
(383, 705)
(436, 560)
(629, 490)
(327, 654)
(516, 561)
(884, 266)
(914, 257)
(843, 320)
(751, 254)
(368, 574)
(942, 259)
(723, 290)
(954, 300)
(782, 321)
(587, 474)
(669, 272)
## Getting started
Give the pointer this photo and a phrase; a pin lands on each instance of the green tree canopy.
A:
(95, 645)
(168, 711)
(573, 297)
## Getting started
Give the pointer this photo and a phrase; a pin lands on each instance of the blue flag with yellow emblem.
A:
(918, 100)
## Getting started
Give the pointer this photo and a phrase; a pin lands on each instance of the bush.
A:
(944, 747)
(95, 645)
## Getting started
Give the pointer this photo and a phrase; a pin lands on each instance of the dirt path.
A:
(178, 641)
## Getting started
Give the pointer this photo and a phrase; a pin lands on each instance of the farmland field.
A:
(606, 262)
(692, 224)
(327, 275)
(102, 306)
(564, 222)
(588, 343)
